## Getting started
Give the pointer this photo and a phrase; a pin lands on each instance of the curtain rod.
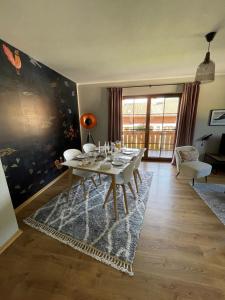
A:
(150, 85)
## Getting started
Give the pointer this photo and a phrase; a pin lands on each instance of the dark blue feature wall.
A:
(39, 119)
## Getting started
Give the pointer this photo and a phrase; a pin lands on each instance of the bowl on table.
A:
(117, 163)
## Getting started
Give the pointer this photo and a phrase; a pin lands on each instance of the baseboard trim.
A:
(10, 241)
(29, 200)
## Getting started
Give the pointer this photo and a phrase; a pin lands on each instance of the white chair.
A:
(88, 147)
(192, 168)
(121, 180)
(70, 154)
(136, 172)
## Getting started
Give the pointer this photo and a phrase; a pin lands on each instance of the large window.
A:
(150, 122)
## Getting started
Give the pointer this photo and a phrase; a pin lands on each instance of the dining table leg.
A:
(114, 196)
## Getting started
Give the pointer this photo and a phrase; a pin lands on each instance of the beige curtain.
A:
(115, 114)
(187, 115)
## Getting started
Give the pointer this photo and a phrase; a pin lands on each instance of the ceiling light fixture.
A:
(206, 70)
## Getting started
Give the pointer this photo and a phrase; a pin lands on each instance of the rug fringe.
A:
(82, 247)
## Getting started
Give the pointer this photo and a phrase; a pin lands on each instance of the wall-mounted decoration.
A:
(217, 117)
(39, 119)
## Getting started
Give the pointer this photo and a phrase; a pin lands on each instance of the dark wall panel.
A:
(39, 119)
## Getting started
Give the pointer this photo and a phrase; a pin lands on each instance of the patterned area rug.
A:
(213, 195)
(88, 227)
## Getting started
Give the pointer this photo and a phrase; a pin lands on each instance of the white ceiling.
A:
(116, 40)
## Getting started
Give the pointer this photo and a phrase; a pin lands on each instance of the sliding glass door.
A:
(150, 122)
(134, 122)
(162, 126)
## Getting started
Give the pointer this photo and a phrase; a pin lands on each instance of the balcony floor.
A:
(152, 153)
(163, 154)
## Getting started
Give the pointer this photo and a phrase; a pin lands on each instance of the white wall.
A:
(212, 96)
(8, 223)
(94, 98)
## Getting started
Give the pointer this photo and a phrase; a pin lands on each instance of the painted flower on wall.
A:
(70, 133)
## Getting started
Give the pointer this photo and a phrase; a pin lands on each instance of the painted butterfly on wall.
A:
(14, 60)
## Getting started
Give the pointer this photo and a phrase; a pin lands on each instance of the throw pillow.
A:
(189, 155)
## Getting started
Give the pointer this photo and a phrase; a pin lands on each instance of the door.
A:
(150, 122)
(162, 126)
(134, 116)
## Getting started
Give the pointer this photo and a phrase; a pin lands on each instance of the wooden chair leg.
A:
(177, 174)
(193, 181)
(99, 176)
(131, 189)
(206, 179)
(107, 196)
(114, 196)
(139, 175)
(92, 179)
(135, 180)
(71, 177)
(125, 199)
(83, 185)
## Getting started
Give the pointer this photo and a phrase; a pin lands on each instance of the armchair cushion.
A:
(191, 155)
(195, 169)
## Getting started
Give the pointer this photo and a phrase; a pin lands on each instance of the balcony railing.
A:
(158, 140)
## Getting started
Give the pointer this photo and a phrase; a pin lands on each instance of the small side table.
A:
(216, 160)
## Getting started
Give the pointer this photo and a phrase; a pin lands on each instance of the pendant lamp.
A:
(206, 70)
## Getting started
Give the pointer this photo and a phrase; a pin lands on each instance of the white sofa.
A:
(194, 168)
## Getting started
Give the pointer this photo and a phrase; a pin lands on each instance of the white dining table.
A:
(96, 167)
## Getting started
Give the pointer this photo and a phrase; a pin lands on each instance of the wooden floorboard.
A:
(180, 255)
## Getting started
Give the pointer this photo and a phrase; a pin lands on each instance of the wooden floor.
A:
(180, 255)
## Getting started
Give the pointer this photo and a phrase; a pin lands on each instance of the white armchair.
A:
(188, 164)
